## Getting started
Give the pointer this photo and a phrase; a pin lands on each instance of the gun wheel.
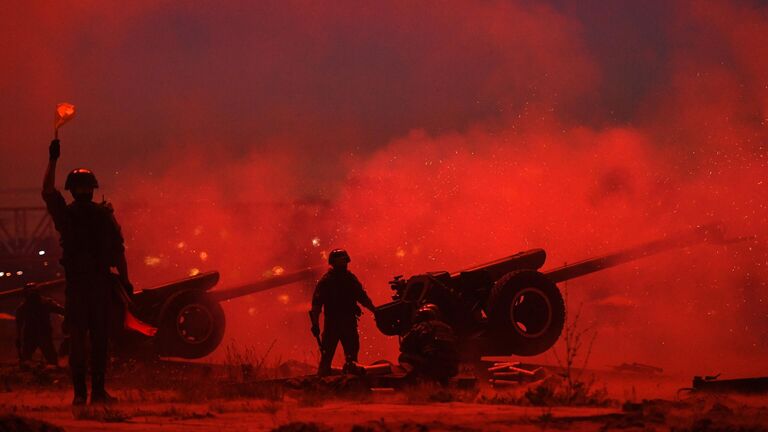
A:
(192, 326)
(526, 313)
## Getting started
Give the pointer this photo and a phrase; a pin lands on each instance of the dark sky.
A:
(152, 79)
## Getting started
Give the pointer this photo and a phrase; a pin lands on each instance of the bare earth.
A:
(182, 398)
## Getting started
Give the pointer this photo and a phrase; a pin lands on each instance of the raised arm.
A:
(49, 181)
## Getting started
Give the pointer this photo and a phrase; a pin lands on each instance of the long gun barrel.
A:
(711, 233)
(266, 284)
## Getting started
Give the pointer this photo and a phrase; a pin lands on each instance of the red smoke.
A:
(425, 138)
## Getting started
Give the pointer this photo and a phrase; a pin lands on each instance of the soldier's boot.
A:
(81, 389)
(323, 370)
(351, 367)
(99, 395)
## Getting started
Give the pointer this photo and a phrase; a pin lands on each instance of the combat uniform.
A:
(92, 243)
(337, 294)
(33, 324)
(429, 351)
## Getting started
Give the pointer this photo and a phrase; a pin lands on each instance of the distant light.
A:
(277, 270)
(316, 242)
(203, 256)
(283, 298)
(41, 253)
(151, 261)
(2, 274)
(194, 272)
(19, 273)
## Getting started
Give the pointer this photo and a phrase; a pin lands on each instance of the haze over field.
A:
(420, 137)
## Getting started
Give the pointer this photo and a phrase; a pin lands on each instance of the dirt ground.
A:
(172, 396)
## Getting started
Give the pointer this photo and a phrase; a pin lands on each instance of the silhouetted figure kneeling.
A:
(33, 326)
(428, 351)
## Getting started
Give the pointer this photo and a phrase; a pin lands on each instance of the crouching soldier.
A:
(33, 326)
(337, 294)
(428, 351)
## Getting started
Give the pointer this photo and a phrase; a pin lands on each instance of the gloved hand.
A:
(54, 150)
(315, 331)
(128, 287)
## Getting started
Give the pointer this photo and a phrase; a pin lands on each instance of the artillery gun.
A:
(186, 312)
(509, 306)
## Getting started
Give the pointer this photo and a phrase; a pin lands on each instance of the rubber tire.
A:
(505, 336)
(172, 344)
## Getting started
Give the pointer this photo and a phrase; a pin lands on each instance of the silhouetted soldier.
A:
(428, 350)
(337, 294)
(92, 244)
(33, 326)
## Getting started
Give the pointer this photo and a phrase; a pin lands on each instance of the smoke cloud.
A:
(420, 137)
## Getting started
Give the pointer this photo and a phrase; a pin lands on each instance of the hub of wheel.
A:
(530, 312)
(194, 323)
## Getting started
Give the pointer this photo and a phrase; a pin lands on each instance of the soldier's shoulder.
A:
(326, 276)
(352, 276)
(106, 207)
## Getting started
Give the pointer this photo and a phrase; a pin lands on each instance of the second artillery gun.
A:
(509, 306)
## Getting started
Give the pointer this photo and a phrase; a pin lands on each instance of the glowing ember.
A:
(277, 270)
(252, 311)
(194, 271)
(283, 298)
(198, 230)
(181, 245)
(316, 242)
(203, 256)
(400, 252)
(151, 261)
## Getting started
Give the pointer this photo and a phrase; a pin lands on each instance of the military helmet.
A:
(81, 177)
(337, 256)
(428, 311)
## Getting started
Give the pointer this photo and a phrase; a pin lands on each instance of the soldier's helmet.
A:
(81, 177)
(428, 312)
(338, 256)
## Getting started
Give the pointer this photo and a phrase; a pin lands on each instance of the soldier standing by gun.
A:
(33, 326)
(92, 244)
(337, 294)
